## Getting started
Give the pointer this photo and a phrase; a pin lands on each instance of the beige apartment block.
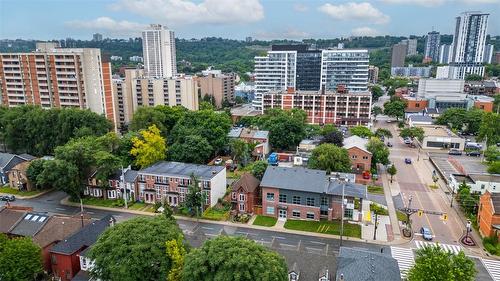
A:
(218, 86)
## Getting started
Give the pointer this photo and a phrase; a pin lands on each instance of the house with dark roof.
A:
(10, 217)
(65, 260)
(29, 225)
(488, 215)
(11, 163)
(309, 194)
(168, 182)
(245, 194)
(258, 137)
(113, 188)
(364, 265)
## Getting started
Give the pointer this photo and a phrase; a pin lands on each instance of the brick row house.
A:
(308, 194)
(488, 216)
(168, 182)
(113, 188)
(245, 194)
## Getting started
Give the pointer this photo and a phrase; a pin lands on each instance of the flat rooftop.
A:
(437, 131)
(244, 110)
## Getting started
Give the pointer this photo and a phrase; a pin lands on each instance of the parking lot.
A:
(457, 164)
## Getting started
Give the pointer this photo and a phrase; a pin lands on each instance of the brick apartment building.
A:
(361, 158)
(489, 214)
(307, 194)
(217, 85)
(324, 107)
(168, 182)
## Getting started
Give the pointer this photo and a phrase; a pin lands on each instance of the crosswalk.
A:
(454, 249)
(493, 267)
(405, 259)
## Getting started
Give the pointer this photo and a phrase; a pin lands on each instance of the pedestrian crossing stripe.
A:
(493, 268)
(405, 259)
(454, 249)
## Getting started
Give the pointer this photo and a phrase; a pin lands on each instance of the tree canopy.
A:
(461, 119)
(489, 129)
(433, 263)
(149, 148)
(412, 132)
(361, 131)
(194, 149)
(395, 108)
(335, 137)
(229, 258)
(136, 250)
(20, 259)
(331, 158)
(380, 152)
(377, 92)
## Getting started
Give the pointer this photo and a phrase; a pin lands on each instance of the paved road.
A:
(414, 181)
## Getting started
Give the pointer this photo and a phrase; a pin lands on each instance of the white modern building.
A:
(478, 183)
(469, 42)
(348, 67)
(411, 71)
(158, 47)
(444, 53)
(488, 53)
(274, 72)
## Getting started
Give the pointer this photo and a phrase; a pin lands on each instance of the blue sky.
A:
(263, 19)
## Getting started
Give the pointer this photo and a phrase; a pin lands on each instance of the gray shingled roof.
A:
(361, 265)
(351, 189)
(421, 118)
(234, 132)
(296, 178)
(9, 218)
(86, 237)
(7, 161)
(177, 169)
(130, 175)
(30, 224)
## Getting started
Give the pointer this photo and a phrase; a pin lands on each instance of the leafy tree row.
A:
(37, 131)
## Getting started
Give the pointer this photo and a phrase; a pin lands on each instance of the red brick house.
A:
(361, 158)
(489, 214)
(64, 256)
(245, 194)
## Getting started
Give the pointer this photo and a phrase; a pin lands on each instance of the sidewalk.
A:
(30, 196)
(232, 224)
(391, 189)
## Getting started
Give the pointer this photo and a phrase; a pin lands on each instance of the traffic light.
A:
(420, 213)
(445, 217)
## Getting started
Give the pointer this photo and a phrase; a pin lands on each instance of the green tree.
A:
(380, 152)
(413, 132)
(492, 153)
(376, 110)
(63, 176)
(230, 258)
(313, 131)
(455, 118)
(328, 129)
(474, 117)
(377, 92)
(195, 198)
(35, 168)
(395, 108)
(258, 168)
(361, 131)
(240, 150)
(392, 171)
(206, 106)
(489, 129)
(331, 158)
(286, 132)
(473, 77)
(20, 259)
(383, 132)
(106, 165)
(177, 253)
(494, 167)
(150, 148)
(192, 149)
(434, 263)
(137, 250)
(335, 137)
(496, 101)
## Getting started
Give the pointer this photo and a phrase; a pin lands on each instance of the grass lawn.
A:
(323, 226)
(216, 214)
(401, 216)
(376, 189)
(101, 202)
(379, 209)
(10, 190)
(139, 206)
(265, 221)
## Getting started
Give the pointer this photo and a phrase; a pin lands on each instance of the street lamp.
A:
(342, 214)
(468, 230)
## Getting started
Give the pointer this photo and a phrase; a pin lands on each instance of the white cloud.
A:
(298, 7)
(425, 3)
(364, 31)
(177, 12)
(363, 11)
(108, 25)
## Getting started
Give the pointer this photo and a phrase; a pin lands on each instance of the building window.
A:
(242, 207)
(233, 195)
(309, 201)
(282, 198)
(310, 216)
(417, 105)
(348, 213)
(111, 194)
(324, 201)
(242, 197)
(323, 212)
(365, 157)
(270, 196)
(354, 157)
(270, 210)
(482, 186)
(295, 214)
(296, 200)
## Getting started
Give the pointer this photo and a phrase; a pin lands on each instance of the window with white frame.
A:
(242, 197)
(111, 194)
(282, 198)
(310, 215)
(309, 201)
(270, 210)
(296, 200)
(233, 195)
(270, 196)
(242, 207)
(295, 214)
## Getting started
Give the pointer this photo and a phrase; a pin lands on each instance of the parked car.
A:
(407, 141)
(454, 152)
(389, 144)
(408, 160)
(8, 198)
(218, 161)
(473, 153)
(426, 233)
(388, 121)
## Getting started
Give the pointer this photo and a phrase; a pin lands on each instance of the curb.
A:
(65, 201)
(30, 196)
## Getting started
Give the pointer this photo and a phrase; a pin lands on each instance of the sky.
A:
(260, 19)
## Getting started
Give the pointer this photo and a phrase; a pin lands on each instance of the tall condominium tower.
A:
(488, 53)
(469, 43)
(398, 55)
(57, 77)
(432, 46)
(345, 67)
(444, 53)
(411, 46)
(158, 47)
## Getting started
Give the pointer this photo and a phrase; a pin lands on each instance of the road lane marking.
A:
(315, 242)
(61, 209)
(206, 227)
(279, 237)
(426, 216)
(89, 212)
(405, 259)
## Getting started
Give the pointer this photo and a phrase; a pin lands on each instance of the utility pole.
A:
(376, 224)
(122, 183)
(81, 211)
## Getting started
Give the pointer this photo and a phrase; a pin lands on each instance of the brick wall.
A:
(486, 217)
